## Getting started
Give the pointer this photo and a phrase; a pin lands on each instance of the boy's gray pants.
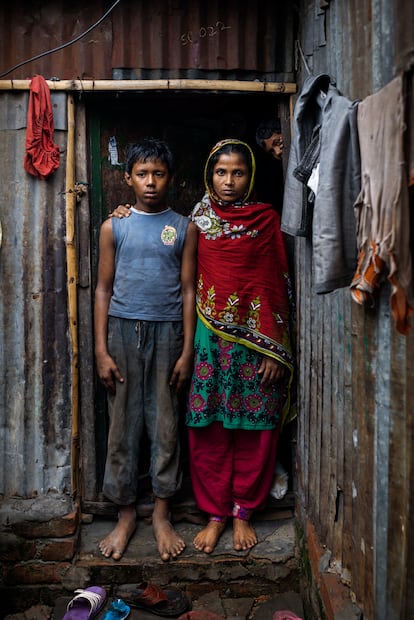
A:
(145, 353)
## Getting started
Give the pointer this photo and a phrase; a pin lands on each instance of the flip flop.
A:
(170, 602)
(86, 604)
(118, 611)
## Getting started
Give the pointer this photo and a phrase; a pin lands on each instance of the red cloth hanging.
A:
(42, 154)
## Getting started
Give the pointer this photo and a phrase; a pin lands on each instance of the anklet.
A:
(217, 519)
(241, 513)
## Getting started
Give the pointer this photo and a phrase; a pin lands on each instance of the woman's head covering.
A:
(229, 145)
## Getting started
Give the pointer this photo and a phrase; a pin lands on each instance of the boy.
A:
(269, 177)
(269, 137)
(144, 330)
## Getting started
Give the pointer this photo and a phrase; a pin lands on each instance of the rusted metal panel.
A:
(35, 410)
(356, 372)
(198, 36)
(180, 38)
(33, 29)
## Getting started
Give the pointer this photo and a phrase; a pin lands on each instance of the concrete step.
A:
(249, 584)
(267, 570)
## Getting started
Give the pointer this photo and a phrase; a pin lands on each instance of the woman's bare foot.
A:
(207, 539)
(114, 545)
(170, 544)
(244, 536)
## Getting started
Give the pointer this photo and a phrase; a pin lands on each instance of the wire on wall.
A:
(61, 47)
(302, 55)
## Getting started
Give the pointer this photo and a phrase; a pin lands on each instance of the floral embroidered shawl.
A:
(243, 286)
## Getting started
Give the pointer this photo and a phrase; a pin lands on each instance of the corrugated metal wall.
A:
(35, 404)
(232, 37)
(355, 436)
(160, 39)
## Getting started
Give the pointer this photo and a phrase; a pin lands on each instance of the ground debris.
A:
(37, 612)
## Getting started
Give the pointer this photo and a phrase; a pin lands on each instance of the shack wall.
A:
(35, 349)
(355, 424)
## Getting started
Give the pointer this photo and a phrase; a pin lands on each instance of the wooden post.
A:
(72, 281)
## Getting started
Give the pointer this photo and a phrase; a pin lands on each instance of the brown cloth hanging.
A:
(382, 209)
(42, 154)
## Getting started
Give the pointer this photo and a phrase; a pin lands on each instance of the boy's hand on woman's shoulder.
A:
(121, 211)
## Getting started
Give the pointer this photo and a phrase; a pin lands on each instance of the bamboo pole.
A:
(72, 280)
(139, 85)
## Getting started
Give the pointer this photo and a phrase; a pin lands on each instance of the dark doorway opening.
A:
(191, 123)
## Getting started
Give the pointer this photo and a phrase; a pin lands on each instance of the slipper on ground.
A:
(118, 611)
(168, 602)
(86, 604)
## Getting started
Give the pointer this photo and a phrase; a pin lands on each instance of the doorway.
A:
(191, 123)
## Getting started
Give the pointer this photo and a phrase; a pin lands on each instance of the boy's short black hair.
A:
(149, 149)
(266, 129)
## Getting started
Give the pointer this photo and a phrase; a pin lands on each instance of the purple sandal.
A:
(86, 604)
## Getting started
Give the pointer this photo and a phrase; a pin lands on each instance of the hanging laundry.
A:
(42, 154)
(382, 206)
(323, 181)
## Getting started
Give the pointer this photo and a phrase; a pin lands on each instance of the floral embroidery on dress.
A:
(226, 386)
(247, 371)
(230, 313)
(208, 305)
(233, 231)
(203, 222)
(212, 226)
(253, 402)
(234, 403)
(197, 402)
(224, 345)
(224, 360)
(278, 317)
(252, 319)
(204, 370)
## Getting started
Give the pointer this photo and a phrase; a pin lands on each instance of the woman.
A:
(243, 366)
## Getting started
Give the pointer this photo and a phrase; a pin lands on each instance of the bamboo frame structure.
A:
(142, 85)
(72, 282)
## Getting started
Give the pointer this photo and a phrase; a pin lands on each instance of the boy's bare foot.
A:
(115, 543)
(244, 536)
(170, 544)
(207, 539)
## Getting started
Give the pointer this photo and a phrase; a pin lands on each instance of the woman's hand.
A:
(182, 371)
(121, 211)
(271, 370)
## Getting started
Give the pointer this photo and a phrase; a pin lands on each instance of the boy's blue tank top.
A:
(148, 252)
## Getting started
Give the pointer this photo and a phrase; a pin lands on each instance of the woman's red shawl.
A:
(243, 283)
